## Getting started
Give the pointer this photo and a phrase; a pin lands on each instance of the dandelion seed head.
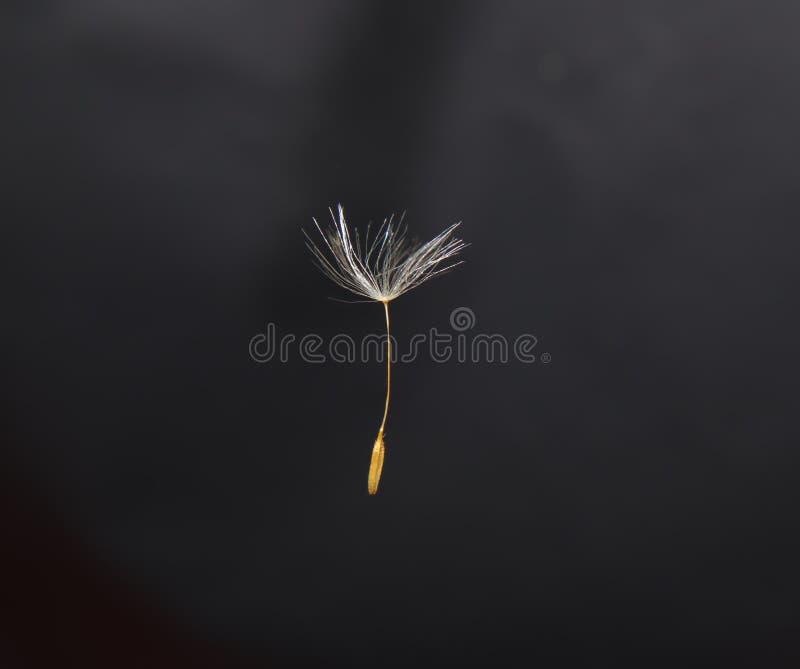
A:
(388, 263)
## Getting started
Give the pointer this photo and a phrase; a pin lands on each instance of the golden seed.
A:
(376, 464)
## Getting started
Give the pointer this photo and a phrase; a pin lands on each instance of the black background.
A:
(627, 176)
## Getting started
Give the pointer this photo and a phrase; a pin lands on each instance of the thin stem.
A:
(378, 450)
(388, 367)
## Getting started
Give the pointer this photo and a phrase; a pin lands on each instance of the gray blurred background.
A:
(626, 176)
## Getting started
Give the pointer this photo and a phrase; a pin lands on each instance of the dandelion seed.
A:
(385, 267)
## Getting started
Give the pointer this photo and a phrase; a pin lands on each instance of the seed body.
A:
(376, 464)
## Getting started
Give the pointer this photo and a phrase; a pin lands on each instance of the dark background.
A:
(627, 176)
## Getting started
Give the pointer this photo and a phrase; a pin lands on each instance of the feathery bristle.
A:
(387, 265)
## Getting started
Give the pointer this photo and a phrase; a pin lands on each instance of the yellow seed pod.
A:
(376, 464)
